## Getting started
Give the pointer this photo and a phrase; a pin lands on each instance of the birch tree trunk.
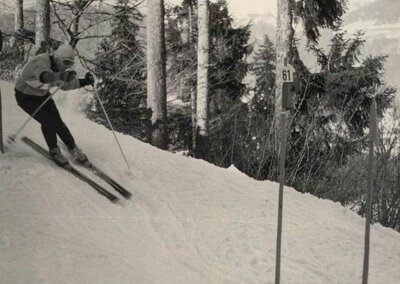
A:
(42, 36)
(19, 25)
(193, 96)
(19, 15)
(156, 72)
(202, 80)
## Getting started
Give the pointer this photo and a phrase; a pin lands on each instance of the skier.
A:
(38, 75)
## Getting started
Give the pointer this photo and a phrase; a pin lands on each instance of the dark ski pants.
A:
(48, 117)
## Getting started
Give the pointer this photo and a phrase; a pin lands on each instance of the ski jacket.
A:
(29, 83)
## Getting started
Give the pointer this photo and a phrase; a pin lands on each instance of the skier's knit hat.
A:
(65, 53)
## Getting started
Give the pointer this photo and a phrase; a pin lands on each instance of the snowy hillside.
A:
(187, 222)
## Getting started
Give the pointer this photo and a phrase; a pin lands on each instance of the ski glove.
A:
(66, 76)
(88, 80)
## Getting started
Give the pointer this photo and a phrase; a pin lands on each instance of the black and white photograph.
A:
(199, 141)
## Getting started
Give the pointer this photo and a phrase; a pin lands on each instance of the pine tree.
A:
(333, 111)
(181, 37)
(254, 147)
(228, 51)
(120, 66)
(229, 48)
(263, 69)
(319, 14)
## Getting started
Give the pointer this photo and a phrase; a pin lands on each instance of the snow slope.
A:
(188, 221)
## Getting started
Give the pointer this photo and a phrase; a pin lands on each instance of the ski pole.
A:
(110, 124)
(106, 115)
(13, 137)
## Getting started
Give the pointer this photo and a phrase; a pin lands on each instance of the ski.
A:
(68, 167)
(119, 188)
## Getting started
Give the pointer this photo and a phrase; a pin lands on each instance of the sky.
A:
(240, 7)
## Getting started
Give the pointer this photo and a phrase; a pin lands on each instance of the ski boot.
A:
(78, 155)
(58, 157)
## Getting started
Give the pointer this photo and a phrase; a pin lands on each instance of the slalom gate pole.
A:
(14, 136)
(373, 138)
(110, 124)
(282, 158)
(1, 127)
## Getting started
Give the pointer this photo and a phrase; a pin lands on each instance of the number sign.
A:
(287, 73)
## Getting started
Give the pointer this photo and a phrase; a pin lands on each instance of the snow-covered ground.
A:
(187, 222)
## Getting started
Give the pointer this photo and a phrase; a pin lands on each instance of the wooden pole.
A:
(1, 127)
(282, 157)
(373, 129)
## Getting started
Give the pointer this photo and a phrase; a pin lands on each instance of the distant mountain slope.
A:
(381, 22)
(381, 11)
(380, 19)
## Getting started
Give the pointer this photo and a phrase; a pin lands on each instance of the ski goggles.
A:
(68, 63)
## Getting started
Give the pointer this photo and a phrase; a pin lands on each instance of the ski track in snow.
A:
(187, 222)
